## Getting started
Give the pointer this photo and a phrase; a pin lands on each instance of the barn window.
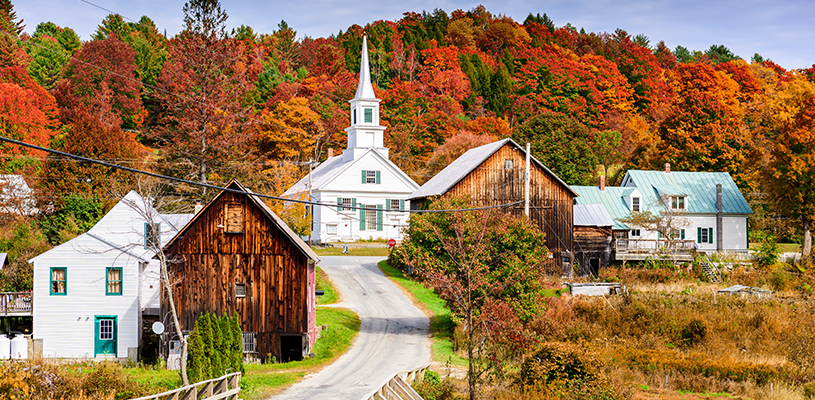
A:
(507, 164)
(240, 290)
(234, 218)
(113, 281)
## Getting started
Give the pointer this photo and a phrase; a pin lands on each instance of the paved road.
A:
(393, 335)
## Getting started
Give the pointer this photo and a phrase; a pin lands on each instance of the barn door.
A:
(105, 333)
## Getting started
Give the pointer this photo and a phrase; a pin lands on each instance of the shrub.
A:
(694, 332)
(432, 387)
(559, 364)
(215, 347)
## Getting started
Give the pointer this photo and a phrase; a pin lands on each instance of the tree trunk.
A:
(165, 278)
(470, 336)
(806, 248)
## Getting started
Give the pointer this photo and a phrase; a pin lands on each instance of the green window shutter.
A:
(378, 181)
(402, 204)
(387, 204)
(339, 203)
(379, 217)
(362, 217)
(353, 202)
(710, 235)
(363, 176)
(699, 235)
(682, 234)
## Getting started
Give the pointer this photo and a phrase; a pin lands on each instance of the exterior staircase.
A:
(711, 271)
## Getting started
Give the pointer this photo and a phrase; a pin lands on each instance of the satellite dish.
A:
(158, 328)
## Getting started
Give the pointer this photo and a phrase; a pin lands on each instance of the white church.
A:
(369, 190)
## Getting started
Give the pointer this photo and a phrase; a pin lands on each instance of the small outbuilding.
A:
(236, 257)
(747, 291)
(592, 238)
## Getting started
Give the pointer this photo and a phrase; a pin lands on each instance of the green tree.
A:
(50, 49)
(562, 144)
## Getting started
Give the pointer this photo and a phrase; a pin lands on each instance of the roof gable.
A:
(700, 187)
(468, 162)
(326, 175)
(237, 187)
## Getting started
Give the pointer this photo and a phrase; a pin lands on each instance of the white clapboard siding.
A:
(65, 323)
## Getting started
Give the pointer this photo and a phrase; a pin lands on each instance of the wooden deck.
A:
(15, 304)
(641, 249)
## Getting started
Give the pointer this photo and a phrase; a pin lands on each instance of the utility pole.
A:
(526, 182)
(310, 208)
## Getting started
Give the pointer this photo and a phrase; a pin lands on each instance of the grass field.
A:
(361, 252)
(440, 317)
(782, 247)
(330, 296)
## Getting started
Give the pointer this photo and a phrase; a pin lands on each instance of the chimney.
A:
(330, 152)
(602, 183)
(667, 168)
(198, 207)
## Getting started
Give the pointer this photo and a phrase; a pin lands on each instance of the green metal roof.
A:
(700, 187)
(613, 198)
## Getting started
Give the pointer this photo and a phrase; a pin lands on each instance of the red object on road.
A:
(392, 243)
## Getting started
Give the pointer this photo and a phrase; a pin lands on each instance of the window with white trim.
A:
(331, 229)
(677, 202)
(635, 233)
(369, 115)
(635, 204)
(346, 204)
(395, 205)
(370, 176)
(508, 164)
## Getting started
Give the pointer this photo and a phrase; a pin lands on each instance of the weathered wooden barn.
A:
(237, 257)
(493, 174)
(592, 238)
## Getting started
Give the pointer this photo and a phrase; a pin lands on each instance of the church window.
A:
(369, 115)
(370, 218)
(371, 177)
(354, 116)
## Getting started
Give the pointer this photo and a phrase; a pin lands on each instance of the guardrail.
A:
(398, 387)
(15, 303)
(225, 387)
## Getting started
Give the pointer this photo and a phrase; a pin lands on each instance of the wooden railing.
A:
(15, 303)
(399, 386)
(653, 245)
(225, 387)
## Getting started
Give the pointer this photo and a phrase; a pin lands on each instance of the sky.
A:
(780, 30)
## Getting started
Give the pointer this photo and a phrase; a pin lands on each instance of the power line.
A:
(225, 189)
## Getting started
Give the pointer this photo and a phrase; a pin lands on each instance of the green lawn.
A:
(330, 296)
(363, 252)
(441, 322)
(782, 247)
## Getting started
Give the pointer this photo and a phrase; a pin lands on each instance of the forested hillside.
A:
(216, 102)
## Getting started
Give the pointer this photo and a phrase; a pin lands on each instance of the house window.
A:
(704, 235)
(59, 281)
(635, 204)
(113, 280)
(396, 204)
(347, 203)
(682, 234)
(369, 115)
(234, 218)
(678, 203)
(635, 233)
(507, 164)
(371, 177)
(331, 229)
(152, 237)
(370, 218)
(240, 290)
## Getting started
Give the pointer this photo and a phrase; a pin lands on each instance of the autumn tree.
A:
(12, 52)
(790, 170)
(27, 113)
(101, 80)
(204, 84)
(144, 38)
(291, 130)
(487, 265)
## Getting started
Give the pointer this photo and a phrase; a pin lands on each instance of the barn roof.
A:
(235, 185)
(594, 214)
(464, 165)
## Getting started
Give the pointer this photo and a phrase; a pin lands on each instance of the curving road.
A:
(393, 335)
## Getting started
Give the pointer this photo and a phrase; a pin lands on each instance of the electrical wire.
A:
(226, 189)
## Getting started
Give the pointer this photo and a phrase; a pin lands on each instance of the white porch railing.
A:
(653, 245)
(15, 303)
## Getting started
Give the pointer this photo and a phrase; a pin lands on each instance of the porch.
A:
(641, 249)
(15, 304)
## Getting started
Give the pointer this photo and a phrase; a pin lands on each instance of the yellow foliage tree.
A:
(290, 130)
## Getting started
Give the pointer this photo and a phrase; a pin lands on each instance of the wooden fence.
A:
(15, 303)
(398, 387)
(225, 387)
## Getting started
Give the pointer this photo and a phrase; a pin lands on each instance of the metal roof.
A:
(594, 214)
(700, 187)
(469, 161)
(613, 199)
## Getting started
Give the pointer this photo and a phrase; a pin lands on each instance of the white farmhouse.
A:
(367, 188)
(92, 292)
(711, 210)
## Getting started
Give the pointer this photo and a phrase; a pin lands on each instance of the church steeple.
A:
(365, 131)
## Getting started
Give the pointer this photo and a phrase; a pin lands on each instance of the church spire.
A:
(365, 90)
